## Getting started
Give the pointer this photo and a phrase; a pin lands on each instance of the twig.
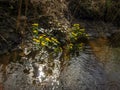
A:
(3, 38)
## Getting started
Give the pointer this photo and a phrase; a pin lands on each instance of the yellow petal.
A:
(35, 24)
(47, 39)
(36, 40)
(35, 31)
(43, 43)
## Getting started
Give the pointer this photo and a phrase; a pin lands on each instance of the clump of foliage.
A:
(76, 34)
(43, 39)
(52, 39)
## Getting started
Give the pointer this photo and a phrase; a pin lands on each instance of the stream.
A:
(83, 72)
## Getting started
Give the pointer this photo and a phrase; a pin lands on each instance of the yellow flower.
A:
(70, 45)
(40, 37)
(43, 43)
(47, 39)
(35, 31)
(82, 30)
(35, 24)
(36, 40)
(74, 34)
(76, 25)
(55, 40)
